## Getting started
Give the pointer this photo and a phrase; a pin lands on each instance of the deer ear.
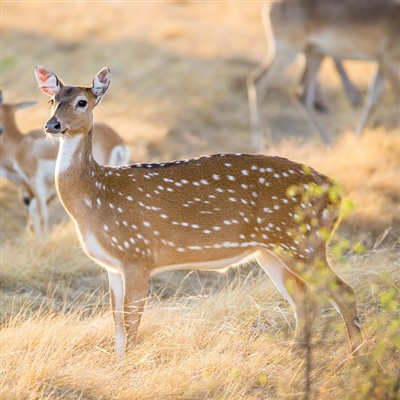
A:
(47, 81)
(100, 84)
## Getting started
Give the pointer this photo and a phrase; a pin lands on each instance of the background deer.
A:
(28, 160)
(204, 213)
(343, 29)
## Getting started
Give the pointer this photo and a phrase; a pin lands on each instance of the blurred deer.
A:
(342, 29)
(205, 213)
(28, 160)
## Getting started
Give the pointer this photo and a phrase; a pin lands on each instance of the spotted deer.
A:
(207, 212)
(342, 29)
(28, 160)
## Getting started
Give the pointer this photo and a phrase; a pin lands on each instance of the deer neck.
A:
(11, 136)
(74, 168)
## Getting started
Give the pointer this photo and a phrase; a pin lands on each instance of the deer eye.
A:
(51, 102)
(82, 103)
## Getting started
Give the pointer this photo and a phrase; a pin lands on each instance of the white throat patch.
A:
(68, 146)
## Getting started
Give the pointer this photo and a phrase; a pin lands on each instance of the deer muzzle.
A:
(52, 126)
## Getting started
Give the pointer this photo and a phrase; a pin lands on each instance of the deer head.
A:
(71, 117)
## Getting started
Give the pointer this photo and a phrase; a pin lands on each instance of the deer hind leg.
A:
(296, 292)
(318, 273)
(343, 297)
(136, 285)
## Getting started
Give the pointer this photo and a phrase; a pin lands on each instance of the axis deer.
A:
(204, 213)
(342, 29)
(28, 160)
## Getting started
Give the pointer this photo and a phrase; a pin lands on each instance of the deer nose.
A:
(52, 126)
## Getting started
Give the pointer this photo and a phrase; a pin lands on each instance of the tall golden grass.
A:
(231, 344)
(178, 90)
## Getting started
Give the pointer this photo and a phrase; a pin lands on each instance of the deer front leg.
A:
(117, 304)
(136, 285)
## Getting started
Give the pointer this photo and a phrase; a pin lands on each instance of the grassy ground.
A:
(178, 90)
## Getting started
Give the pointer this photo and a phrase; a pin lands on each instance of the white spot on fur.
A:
(195, 248)
(88, 202)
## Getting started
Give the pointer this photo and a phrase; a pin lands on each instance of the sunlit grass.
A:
(231, 343)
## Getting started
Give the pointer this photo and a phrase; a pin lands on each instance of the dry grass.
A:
(178, 90)
(231, 344)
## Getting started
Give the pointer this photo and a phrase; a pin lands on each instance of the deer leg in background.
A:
(41, 196)
(306, 100)
(391, 69)
(352, 93)
(34, 217)
(299, 91)
(257, 85)
(374, 92)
